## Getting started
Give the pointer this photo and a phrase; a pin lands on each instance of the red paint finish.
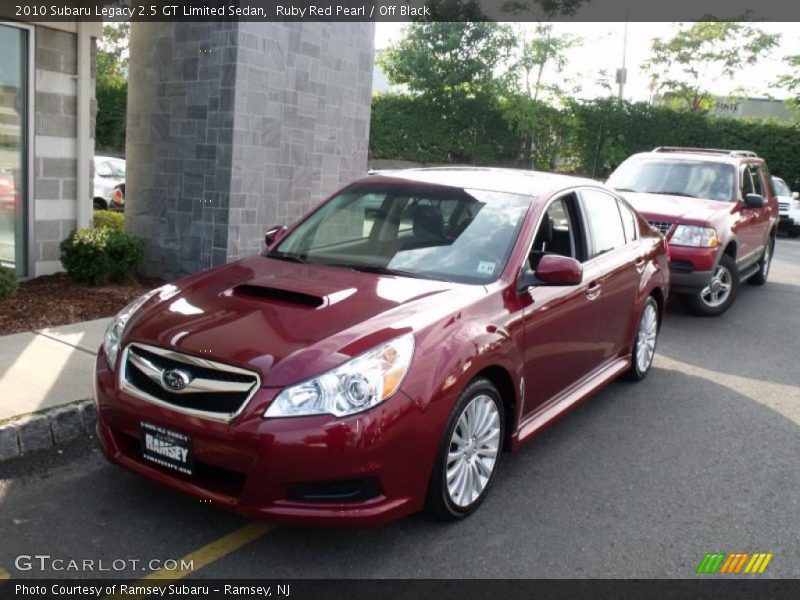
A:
(547, 347)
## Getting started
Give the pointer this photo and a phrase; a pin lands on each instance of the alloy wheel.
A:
(473, 451)
(646, 338)
(718, 290)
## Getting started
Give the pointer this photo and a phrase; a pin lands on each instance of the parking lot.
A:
(640, 481)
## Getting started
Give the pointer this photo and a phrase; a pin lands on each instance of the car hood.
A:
(677, 209)
(290, 321)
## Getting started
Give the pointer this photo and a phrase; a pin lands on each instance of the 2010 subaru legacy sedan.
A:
(380, 355)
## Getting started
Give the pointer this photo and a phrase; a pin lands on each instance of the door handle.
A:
(593, 291)
(639, 264)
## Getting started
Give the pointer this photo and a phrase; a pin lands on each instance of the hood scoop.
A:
(278, 295)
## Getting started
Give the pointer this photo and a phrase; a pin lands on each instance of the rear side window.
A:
(603, 222)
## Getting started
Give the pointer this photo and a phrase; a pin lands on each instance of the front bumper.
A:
(253, 466)
(691, 268)
(788, 221)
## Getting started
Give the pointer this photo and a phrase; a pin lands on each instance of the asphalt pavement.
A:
(640, 481)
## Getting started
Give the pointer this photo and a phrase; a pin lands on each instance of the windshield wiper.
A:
(625, 190)
(287, 257)
(383, 270)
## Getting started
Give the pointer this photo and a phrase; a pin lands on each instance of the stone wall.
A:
(233, 127)
(55, 164)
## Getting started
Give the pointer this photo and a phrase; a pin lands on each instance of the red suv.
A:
(719, 212)
(380, 355)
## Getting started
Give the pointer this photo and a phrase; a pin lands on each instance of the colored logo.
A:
(737, 562)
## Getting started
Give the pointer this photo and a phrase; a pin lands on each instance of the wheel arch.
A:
(504, 383)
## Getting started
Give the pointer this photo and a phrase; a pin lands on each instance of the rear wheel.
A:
(719, 294)
(468, 456)
(644, 345)
(99, 204)
(760, 278)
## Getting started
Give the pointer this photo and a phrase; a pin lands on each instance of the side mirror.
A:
(273, 234)
(559, 270)
(553, 270)
(754, 201)
(795, 195)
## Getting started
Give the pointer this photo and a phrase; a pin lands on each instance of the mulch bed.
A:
(56, 300)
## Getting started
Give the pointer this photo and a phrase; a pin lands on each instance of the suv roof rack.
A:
(747, 153)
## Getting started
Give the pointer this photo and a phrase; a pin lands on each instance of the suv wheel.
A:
(467, 459)
(718, 295)
(644, 344)
(760, 278)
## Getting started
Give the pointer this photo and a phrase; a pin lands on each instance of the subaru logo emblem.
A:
(175, 380)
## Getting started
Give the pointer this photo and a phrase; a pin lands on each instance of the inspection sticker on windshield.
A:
(486, 267)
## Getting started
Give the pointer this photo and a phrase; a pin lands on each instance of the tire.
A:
(704, 303)
(644, 344)
(444, 501)
(99, 205)
(760, 277)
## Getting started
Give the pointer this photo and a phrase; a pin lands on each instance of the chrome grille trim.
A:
(198, 385)
(783, 206)
(662, 226)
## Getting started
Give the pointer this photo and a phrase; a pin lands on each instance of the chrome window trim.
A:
(132, 390)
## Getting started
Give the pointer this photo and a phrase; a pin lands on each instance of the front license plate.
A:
(167, 448)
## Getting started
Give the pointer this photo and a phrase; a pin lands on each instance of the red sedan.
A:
(380, 356)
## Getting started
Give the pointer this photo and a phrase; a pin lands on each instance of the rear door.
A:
(614, 255)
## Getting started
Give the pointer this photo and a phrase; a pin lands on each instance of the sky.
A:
(602, 48)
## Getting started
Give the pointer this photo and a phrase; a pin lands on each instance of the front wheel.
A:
(468, 456)
(718, 295)
(644, 346)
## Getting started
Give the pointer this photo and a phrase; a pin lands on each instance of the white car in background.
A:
(788, 207)
(109, 172)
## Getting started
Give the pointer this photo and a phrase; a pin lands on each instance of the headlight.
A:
(117, 326)
(691, 235)
(355, 386)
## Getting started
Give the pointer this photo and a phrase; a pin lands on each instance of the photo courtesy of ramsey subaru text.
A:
(383, 353)
(719, 211)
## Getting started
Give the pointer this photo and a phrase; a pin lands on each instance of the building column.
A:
(234, 127)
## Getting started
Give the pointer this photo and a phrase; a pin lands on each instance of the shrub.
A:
(109, 218)
(97, 256)
(8, 283)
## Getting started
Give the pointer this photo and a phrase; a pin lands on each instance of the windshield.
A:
(695, 179)
(118, 168)
(452, 234)
(781, 189)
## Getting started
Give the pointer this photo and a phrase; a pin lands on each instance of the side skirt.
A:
(568, 399)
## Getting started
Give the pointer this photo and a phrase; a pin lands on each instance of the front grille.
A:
(210, 389)
(783, 206)
(662, 226)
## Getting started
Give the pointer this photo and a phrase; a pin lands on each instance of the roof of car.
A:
(732, 157)
(513, 181)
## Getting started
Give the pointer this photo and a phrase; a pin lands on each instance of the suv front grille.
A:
(205, 388)
(662, 226)
(783, 206)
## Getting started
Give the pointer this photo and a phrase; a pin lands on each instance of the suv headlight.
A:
(692, 235)
(357, 385)
(116, 328)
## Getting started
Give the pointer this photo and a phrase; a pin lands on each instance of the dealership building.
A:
(232, 127)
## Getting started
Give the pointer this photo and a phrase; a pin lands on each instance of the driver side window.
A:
(556, 233)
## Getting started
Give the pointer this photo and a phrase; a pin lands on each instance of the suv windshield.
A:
(444, 233)
(695, 179)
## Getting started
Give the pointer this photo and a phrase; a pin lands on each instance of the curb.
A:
(46, 429)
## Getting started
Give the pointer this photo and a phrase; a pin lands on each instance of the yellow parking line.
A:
(4, 575)
(206, 555)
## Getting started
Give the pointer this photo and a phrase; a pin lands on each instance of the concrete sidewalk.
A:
(45, 372)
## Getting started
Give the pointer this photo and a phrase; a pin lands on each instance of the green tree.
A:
(111, 89)
(529, 106)
(791, 81)
(686, 67)
(450, 61)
